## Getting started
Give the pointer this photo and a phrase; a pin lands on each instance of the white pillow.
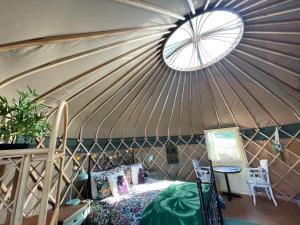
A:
(135, 173)
(113, 182)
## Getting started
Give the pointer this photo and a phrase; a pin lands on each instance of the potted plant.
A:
(22, 120)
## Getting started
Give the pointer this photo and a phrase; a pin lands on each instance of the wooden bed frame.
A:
(211, 211)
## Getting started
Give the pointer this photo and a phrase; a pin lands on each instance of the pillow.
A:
(103, 188)
(127, 174)
(137, 174)
(122, 185)
(113, 182)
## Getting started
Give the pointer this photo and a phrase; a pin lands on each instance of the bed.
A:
(158, 202)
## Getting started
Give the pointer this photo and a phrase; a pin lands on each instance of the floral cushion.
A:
(137, 174)
(103, 189)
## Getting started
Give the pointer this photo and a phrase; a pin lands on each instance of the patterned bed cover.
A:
(128, 209)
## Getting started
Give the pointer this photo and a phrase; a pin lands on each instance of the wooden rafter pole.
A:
(281, 12)
(267, 41)
(294, 110)
(145, 74)
(223, 97)
(190, 104)
(239, 4)
(156, 102)
(154, 84)
(245, 89)
(158, 77)
(141, 76)
(145, 87)
(273, 5)
(181, 103)
(272, 32)
(79, 37)
(150, 7)
(229, 3)
(191, 5)
(97, 68)
(260, 71)
(237, 95)
(256, 3)
(73, 57)
(174, 101)
(275, 23)
(267, 62)
(206, 5)
(199, 99)
(83, 89)
(212, 98)
(127, 76)
(218, 3)
(165, 103)
(163, 71)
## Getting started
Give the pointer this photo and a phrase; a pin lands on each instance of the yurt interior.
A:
(150, 112)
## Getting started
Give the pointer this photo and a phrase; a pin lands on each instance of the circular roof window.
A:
(203, 40)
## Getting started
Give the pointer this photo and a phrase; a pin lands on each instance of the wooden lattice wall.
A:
(285, 175)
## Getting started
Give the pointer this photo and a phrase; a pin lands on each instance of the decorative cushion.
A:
(122, 185)
(113, 182)
(137, 174)
(127, 173)
(103, 188)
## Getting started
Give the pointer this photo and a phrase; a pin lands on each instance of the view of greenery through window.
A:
(223, 144)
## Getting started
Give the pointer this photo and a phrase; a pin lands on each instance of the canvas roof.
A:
(105, 58)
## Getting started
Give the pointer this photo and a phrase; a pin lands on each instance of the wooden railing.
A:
(16, 168)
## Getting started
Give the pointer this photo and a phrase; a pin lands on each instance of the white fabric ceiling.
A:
(124, 89)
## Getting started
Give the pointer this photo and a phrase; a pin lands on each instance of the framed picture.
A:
(171, 152)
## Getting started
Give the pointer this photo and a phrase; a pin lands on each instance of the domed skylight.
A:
(203, 40)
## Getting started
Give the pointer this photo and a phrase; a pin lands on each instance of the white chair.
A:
(259, 178)
(201, 173)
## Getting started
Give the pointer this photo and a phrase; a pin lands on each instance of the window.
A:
(224, 144)
(203, 40)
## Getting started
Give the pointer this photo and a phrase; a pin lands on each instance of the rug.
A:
(229, 221)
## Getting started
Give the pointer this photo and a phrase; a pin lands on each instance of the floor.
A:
(264, 213)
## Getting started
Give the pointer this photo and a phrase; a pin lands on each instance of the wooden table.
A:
(73, 215)
(228, 170)
(68, 215)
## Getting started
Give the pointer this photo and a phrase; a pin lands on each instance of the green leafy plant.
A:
(5, 116)
(23, 117)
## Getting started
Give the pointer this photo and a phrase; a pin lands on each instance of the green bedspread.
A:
(177, 205)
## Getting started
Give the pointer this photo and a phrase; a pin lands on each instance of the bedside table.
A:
(154, 174)
(74, 215)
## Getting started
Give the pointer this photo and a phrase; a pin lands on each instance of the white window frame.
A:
(239, 143)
